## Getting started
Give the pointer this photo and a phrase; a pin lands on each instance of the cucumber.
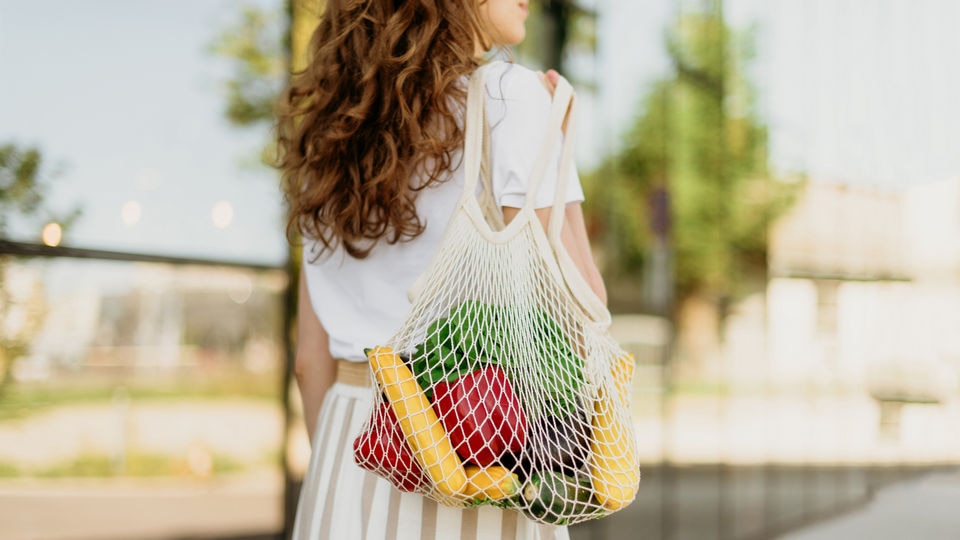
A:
(559, 499)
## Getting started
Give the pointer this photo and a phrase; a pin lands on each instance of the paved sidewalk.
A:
(141, 509)
(926, 508)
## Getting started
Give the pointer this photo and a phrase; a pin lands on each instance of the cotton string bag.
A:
(503, 385)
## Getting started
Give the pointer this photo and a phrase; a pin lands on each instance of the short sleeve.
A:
(518, 109)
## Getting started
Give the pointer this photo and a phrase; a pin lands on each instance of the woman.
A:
(370, 136)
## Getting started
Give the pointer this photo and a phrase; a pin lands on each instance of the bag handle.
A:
(561, 108)
(566, 162)
(473, 133)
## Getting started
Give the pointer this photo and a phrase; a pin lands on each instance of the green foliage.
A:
(255, 47)
(135, 464)
(20, 190)
(23, 188)
(24, 400)
(699, 137)
(10, 470)
(556, 27)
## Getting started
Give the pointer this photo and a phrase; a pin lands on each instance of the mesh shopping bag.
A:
(503, 386)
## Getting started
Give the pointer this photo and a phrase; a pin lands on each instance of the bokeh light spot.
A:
(130, 213)
(222, 214)
(52, 234)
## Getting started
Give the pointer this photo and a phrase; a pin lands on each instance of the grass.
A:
(9, 470)
(19, 401)
(135, 465)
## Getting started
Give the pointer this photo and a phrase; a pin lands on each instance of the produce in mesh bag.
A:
(490, 484)
(553, 444)
(481, 415)
(418, 422)
(505, 305)
(612, 463)
(383, 450)
(515, 415)
(476, 334)
(556, 498)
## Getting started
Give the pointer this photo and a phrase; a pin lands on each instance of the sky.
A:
(860, 91)
(126, 99)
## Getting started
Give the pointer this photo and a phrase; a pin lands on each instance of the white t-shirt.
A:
(362, 302)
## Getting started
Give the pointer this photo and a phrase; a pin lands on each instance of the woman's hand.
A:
(549, 79)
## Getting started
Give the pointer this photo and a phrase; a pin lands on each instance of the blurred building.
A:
(863, 290)
(100, 319)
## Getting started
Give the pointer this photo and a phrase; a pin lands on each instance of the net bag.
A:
(503, 386)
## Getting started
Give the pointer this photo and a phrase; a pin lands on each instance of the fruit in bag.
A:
(490, 483)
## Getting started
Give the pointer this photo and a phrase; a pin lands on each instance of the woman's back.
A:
(381, 97)
(361, 302)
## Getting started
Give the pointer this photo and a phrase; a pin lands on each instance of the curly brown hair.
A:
(378, 105)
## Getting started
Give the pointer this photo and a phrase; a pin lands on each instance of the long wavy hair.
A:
(374, 118)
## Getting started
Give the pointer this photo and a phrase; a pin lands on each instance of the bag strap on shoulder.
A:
(473, 131)
(562, 99)
(561, 110)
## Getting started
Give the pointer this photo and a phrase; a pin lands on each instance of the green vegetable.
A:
(476, 334)
(556, 498)
(563, 370)
(455, 345)
(434, 359)
(474, 331)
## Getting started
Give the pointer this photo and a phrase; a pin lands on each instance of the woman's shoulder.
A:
(509, 81)
(516, 95)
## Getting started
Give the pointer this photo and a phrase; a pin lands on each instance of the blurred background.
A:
(773, 193)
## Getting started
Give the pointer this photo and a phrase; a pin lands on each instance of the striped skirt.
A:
(341, 501)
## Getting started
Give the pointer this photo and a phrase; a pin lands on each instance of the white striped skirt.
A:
(341, 501)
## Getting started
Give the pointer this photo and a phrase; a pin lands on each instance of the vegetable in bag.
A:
(481, 415)
(456, 345)
(507, 395)
(419, 424)
(553, 444)
(383, 450)
(554, 498)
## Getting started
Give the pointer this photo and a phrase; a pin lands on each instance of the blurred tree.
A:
(254, 44)
(265, 45)
(554, 29)
(262, 45)
(23, 187)
(692, 176)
